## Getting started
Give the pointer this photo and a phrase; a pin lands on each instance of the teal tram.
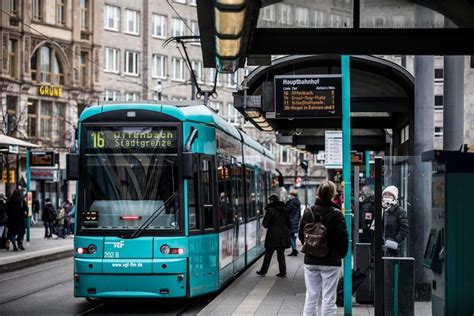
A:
(170, 200)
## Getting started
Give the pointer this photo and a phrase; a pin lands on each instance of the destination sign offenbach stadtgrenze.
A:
(310, 96)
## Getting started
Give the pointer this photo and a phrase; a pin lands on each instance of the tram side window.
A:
(237, 193)
(193, 211)
(207, 201)
(224, 210)
(262, 187)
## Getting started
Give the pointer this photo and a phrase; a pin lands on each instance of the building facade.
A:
(49, 71)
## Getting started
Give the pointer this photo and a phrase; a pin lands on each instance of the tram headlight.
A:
(165, 249)
(92, 249)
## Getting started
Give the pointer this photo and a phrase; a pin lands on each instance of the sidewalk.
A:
(38, 250)
(251, 294)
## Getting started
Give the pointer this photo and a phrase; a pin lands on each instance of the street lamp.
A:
(158, 89)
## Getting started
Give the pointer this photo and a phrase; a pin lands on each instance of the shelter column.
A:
(453, 113)
(419, 215)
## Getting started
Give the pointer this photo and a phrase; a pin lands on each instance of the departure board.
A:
(309, 96)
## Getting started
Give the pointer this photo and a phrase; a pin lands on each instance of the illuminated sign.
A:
(132, 138)
(50, 91)
(42, 159)
(309, 96)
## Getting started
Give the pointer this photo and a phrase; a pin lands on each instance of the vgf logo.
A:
(119, 244)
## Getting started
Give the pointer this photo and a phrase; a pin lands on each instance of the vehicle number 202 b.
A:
(111, 254)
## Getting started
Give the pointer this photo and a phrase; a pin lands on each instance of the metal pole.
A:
(367, 164)
(453, 113)
(28, 177)
(346, 177)
(378, 236)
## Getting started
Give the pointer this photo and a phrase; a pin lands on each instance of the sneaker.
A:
(281, 275)
(261, 273)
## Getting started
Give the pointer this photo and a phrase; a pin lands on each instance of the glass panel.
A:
(131, 172)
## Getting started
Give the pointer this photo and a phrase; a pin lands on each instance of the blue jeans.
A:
(293, 241)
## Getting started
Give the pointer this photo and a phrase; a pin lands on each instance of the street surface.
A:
(47, 289)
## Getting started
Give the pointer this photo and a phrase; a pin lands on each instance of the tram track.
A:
(50, 286)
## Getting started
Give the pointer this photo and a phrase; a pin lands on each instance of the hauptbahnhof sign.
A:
(311, 96)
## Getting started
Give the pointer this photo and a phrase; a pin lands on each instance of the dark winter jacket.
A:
(336, 233)
(294, 210)
(16, 212)
(366, 207)
(395, 224)
(48, 215)
(277, 221)
(3, 213)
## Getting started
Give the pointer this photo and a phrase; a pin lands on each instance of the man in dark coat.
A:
(366, 214)
(395, 221)
(277, 222)
(16, 211)
(294, 210)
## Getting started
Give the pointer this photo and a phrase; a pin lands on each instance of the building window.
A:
(178, 69)
(131, 63)
(84, 15)
(439, 102)
(319, 18)
(197, 68)
(378, 22)
(178, 27)
(61, 12)
(61, 124)
(232, 114)
(285, 155)
(159, 70)
(159, 26)
(112, 18)
(111, 60)
(84, 74)
(439, 74)
(302, 16)
(212, 76)
(438, 132)
(12, 53)
(195, 31)
(193, 2)
(111, 95)
(267, 13)
(46, 67)
(37, 10)
(46, 120)
(32, 118)
(215, 105)
(286, 16)
(13, 7)
(232, 79)
(132, 21)
(132, 96)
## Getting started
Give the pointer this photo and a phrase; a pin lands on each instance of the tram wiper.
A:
(137, 233)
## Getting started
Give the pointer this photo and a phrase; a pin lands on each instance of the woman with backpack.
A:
(16, 223)
(325, 242)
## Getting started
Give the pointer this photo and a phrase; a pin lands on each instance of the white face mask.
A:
(388, 201)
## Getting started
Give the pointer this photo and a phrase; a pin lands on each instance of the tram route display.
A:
(163, 138)
(315, 96)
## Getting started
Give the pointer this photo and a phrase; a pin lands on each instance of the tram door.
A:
(239, 226)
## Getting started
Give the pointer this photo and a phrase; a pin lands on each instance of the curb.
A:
(35, 260)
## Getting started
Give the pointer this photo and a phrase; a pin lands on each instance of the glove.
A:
(391, 244)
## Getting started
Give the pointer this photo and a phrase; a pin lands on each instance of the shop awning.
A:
(12, 141)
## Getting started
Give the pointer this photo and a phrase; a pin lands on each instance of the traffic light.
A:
(304, 165)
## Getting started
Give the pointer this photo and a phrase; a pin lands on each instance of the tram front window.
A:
(131, 172)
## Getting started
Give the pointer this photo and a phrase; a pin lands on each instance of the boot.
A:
(294, 253)
(15, 248)
(20, 245)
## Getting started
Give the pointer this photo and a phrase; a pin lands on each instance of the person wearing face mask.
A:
(395, 221)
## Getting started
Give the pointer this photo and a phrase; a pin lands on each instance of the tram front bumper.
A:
(148, 278)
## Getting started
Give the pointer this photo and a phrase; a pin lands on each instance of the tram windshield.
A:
(129, 173)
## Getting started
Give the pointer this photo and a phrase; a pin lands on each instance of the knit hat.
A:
(392, 190)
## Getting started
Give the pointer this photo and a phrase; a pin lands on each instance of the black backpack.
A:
(315, 243)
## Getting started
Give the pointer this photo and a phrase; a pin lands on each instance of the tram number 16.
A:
(98, 139)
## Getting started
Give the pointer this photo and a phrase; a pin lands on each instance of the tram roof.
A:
(182, 110)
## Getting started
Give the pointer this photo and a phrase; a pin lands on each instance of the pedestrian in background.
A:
(48, 217)
(294, 210)
(16, 223)
(321, 274)
(3, 221)
(277, 222)
(395, 221)
(71, 215)
(36, 209)
(60, 220)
